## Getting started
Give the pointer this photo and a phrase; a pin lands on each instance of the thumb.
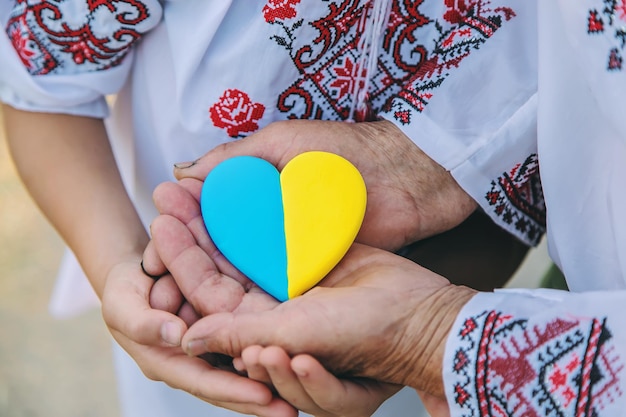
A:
(230, 333)
(149, 327)
(277, 143)
(258, 145)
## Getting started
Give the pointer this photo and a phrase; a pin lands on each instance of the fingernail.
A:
(184, 165)
(195, 347)
(171, 333)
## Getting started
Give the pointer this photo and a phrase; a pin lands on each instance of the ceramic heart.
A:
(286, 230)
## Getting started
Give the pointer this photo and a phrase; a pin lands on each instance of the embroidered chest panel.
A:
(419, 47)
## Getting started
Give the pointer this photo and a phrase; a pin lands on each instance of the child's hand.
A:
(305, 384)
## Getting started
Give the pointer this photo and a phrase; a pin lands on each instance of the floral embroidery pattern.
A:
(49, 36)
(236, 113)
(327, 64)
(464, 27)
(506, 367)
(517, 198)
(610, 20)
(279, 10)
(409, 67)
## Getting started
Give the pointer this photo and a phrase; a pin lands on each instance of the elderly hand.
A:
(409, 195)
(349, 295)
(376, 315)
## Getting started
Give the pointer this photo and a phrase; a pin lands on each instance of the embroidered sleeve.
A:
(66, 53)
(538, 355)
(469, 102)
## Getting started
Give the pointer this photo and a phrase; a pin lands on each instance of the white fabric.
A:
(198, 54)
(469, 82)
(582, 149)
(546, 352)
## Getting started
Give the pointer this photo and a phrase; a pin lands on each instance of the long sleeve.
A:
(538, 353)
(552, 353)
(471, 106)
(65, 57)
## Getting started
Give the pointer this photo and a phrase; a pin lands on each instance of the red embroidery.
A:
(408, 68)
(35, 57)
(562, 367)
(279, 10)
(328, 64)
(610, 20)
(23, 46)
(517, 198)
(595, 23)
(236, 113)
(466, 25)
(44, 37)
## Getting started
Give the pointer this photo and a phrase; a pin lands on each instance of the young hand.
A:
(152, 338)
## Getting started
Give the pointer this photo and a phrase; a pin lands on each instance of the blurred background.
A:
(48, 367)
(63, 368)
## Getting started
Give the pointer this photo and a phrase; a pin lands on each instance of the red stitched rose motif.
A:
(279, 10)
(235, 113)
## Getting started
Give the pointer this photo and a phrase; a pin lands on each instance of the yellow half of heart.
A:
(324, 200)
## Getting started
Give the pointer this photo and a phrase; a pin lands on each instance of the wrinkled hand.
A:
(376, 315)
(409, 195)
(152, 337)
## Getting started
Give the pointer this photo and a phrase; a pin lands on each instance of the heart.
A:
(287, 230)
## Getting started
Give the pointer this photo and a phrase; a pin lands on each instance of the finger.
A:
(278, 366)
(151, 263)
(182, 202)
(165, 295)
(256, 371)
(332, 394)
(195, 273)
(277, 143)
(203, 380)
(188, 314)
(171, 198)
(193, 186)
(276, 408)
(229, 333)
(129, 298)
(198, 169)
